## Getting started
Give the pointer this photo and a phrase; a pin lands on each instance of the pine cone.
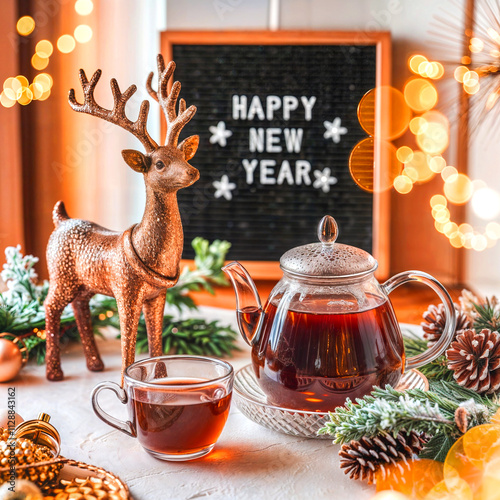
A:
(362, 459)
(475, 360)
(435, 321)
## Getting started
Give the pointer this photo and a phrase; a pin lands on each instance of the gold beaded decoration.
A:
(92, 488)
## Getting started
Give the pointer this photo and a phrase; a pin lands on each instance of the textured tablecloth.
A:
(248, 462)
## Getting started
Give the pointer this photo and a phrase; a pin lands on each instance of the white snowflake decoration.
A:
(224, 188)
(324, 179)
(334, 130)
(219, 134)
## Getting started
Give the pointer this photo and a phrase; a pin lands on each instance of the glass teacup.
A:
(178, 405)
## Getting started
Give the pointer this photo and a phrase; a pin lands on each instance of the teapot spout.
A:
(248, 306)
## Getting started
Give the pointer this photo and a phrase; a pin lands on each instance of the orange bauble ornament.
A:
(13, 356)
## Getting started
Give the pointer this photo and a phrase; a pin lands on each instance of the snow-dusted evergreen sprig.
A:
(20, 277)
(389, 410)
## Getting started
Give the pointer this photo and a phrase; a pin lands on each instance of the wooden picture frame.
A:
(382, 43)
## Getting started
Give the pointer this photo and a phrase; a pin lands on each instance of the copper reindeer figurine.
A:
(136, 266)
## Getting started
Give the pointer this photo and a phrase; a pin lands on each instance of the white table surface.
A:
(248, 462)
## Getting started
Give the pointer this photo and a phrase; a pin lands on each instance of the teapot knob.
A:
(328, 230)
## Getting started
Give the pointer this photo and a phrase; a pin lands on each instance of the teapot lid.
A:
(327, 259)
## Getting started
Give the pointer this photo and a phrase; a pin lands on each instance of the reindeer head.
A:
(165, 168)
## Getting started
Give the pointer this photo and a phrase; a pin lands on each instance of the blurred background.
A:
(49, 152)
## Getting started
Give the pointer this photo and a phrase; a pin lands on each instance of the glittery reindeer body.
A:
(136, 266)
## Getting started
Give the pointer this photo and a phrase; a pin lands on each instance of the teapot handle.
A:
(449, 308)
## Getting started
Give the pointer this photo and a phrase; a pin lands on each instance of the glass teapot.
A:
(328, 330)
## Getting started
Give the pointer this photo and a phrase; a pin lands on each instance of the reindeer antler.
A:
(175, 122)
(117, 114)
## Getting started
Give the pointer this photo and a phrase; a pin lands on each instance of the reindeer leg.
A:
(54, 304)
(153, 314)
(129, 310)
(84, 323)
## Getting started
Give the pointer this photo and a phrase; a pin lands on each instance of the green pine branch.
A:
(488, 315)
(389, 410)
(437, 369)
(21, 306)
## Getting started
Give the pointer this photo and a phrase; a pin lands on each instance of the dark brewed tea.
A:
(179, 423)
(314, 361)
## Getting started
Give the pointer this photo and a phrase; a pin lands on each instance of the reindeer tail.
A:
(59, 213)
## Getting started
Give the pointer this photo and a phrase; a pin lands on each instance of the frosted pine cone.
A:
(362, 459)
(475, 360)
(435, 321)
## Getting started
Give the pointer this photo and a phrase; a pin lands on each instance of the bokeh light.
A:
(420, 95)
(361, 165)
(458, 189)
(394, 119)
(404, 154)
(25, 96)
(493, 232)
(44, 48)
(84, 7)
(66, 44)
(415, 61)
(437, 200)
(417, 169)
(476, 45)
(38, 62)
(437, 163)
(83, 33)
(434, 137)
(403, 184)
(25, 25)
(6, 101)
(417, 125)
(449, 173)
(485, 203)
(36, 90)
(45, 80)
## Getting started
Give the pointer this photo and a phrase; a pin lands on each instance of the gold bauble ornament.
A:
(13, 356)
(23, 490)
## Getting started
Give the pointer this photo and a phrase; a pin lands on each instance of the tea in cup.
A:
(178, 405)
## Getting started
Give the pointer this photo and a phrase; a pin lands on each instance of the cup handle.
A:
(125, 427)
(449, 308)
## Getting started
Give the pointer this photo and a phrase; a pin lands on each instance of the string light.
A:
(66, 44)
(84, 7)
(83, 33)
(25, 25)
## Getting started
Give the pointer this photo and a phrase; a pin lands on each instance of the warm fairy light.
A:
(476, 45)
(418, 168)
(415, 61)
(6, 101)
(66, 44)
(404, 154)
(458, 189)
(36, 90)
(465, 60)
(102, 316)
(25, 96)
(439, 226)
(84, 7)
(83, 33)
(403, 184)
(457, 241)
(485, 203)
(450, 229)
(44, 96)
(459, 73)
(38, 62)
(493, 231)
(110, 314)
(449, 173)
(418, 125)
(21, 81)
(472, 88)
(438, 199)
(442, 215)
(45, 80)
(435, 139)
(437, 164)
(25, 25)
(420, 95)
(44, 48)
